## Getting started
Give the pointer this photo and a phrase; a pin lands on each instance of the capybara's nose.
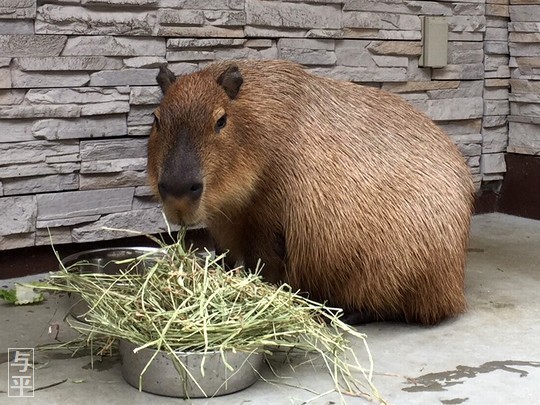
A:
(191, 189)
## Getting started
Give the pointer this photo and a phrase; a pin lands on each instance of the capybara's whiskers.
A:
(216, 209)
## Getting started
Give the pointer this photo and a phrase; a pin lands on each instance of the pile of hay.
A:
(188, 302)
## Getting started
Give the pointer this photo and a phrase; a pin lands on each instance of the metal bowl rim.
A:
(182, 353)
(73, 257)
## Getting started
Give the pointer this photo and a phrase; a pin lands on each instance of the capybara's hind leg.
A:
(431, 309)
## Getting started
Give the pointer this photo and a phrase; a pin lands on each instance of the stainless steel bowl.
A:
(163, 378)
(103, 261)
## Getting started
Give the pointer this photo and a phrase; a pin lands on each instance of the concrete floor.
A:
(491, 355)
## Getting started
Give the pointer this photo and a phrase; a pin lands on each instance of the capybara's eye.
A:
(221, 122)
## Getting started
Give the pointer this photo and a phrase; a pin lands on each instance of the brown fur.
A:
(343, 191)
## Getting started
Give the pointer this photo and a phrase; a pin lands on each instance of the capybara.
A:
(345, 192)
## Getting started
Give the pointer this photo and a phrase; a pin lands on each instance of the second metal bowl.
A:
(104, 261)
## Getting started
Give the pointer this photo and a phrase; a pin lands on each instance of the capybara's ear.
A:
(231, 80)
(165, 78)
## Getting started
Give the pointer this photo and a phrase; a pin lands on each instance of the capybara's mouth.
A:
(187, 218)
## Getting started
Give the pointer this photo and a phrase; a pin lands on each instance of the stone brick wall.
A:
(77, 89)
(496, 89)
(524, 41)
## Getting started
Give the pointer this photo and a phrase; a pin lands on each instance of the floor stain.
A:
(105, 364)
(64, 356)
(442, 380)
(50, 385)
(501, 305)
(454, 401)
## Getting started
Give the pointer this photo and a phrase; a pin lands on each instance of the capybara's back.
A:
(343, 191)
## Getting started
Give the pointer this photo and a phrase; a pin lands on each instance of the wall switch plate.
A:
(434, 42)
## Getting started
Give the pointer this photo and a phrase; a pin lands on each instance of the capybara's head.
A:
(197, 164)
